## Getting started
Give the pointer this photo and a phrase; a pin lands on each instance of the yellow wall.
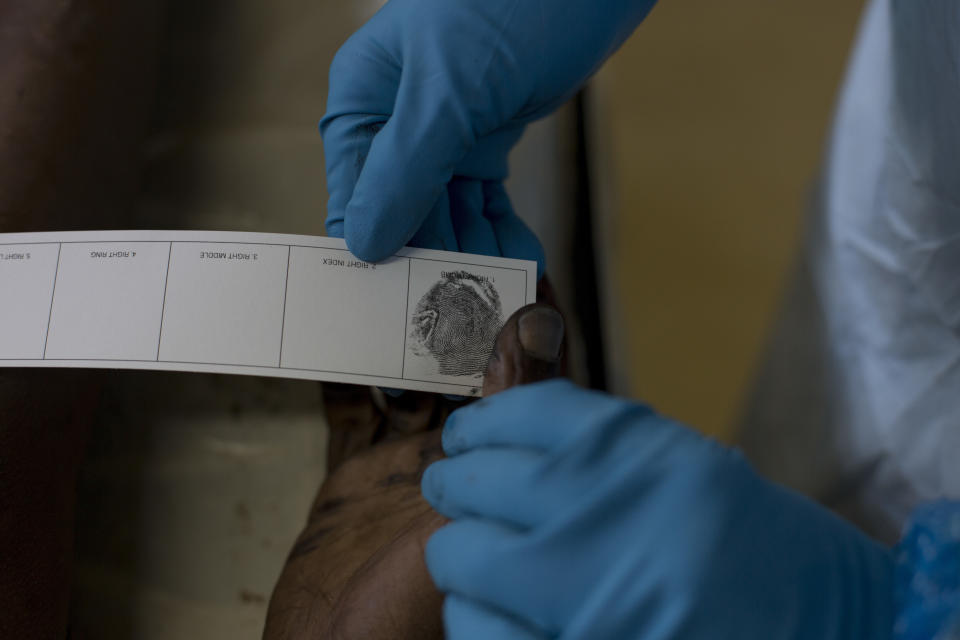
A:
(719, 116)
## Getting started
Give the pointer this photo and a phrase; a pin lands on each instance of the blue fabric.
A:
(928, 574)
(581, 515)
(427, 99)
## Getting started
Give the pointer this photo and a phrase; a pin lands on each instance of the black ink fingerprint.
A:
(456, 323)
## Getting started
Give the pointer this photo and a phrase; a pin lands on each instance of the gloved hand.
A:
(426, 101)
(581, 515)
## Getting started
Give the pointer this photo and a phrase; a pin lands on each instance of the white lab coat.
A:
(859, 400)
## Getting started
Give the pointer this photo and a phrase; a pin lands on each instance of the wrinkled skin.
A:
(357, 569)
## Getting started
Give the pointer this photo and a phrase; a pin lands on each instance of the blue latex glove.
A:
(426, 101)
(928, 574)
(581, 515)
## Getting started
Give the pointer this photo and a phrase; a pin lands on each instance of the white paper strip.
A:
(255, 304)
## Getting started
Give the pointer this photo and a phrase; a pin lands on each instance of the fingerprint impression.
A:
(456, 323)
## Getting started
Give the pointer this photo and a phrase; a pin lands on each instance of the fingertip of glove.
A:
(334, 228)
(433, 556)
(430, 487)
(449, 439)
(365, 247)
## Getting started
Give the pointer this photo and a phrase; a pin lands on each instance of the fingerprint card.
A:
(255, 304)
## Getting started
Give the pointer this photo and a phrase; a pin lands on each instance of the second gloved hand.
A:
(581, 515)
(427, 99)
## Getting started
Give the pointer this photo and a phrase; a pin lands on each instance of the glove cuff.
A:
(927, 574)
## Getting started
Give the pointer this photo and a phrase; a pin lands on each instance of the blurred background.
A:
(710, 124)
(670, 198)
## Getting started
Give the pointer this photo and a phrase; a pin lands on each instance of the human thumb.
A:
(530, 348)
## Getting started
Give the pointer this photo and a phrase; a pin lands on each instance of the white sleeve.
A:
(859, 400)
